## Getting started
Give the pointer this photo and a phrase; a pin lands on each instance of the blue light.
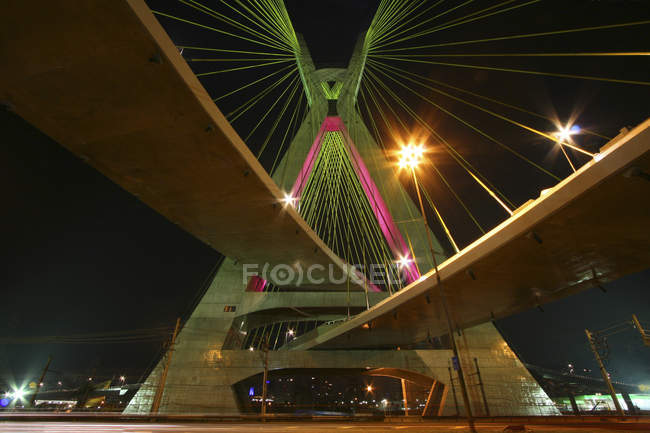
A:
(251, 391)
(4, 402)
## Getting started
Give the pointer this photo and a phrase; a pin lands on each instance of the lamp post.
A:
(563, 135)
(410, 158)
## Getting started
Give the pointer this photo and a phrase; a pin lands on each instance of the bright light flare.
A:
(18, 394)
(289, 200)
(291, 332)
(369, 388)
(404, 261)
(565, 132)
(411, 155)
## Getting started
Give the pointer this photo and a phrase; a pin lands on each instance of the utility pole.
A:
(590, 338)
(443, 300)
(404, 397)
(480, 384)
(266, 375)
(38, 385)
(163, 377)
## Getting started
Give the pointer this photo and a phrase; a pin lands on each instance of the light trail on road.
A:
(278, 427)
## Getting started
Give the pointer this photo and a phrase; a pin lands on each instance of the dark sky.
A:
(82, 255)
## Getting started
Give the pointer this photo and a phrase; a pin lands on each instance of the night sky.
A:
(83, 256)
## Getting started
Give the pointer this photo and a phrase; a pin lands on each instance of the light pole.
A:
(410, 158)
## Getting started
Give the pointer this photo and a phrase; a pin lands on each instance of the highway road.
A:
(298, 427)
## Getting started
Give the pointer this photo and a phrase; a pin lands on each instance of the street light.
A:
(369, 388)
(410, 157)
(563, 136)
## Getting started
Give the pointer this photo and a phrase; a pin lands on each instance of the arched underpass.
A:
(338, 391)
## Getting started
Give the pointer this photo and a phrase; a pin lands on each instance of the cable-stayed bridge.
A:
(126, 101)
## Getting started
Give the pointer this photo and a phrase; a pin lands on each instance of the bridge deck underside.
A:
(108, 84)
(590, 229)
(104, 80)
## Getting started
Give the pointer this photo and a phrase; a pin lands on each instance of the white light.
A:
(289, 200)
(122, 378)
(565, 133)
(290, 332)
(251, 348)
(598, 157)
(18, 394)
(404, 261)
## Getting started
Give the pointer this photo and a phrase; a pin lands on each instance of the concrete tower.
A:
(213, 353)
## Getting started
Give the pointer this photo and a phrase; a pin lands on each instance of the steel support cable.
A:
(376, 205)
(444, 180)
(502, 117)
(278, 21)
(382, 16)
(520, 36)
(239, 111)
(439, 216)
(365, 221)
(287, 155)
(411, 215)
(285, 20)
(230, 60)
(265, 12)
(428, 20)
(413, 18)
(514, 107)
(223, 18)
(577, 54)
(444, 226)
(284, 24)
(258, 21)
(277, 120)
(454, 153)
(405, 199)
(466, 123)
(225, 50)
(219, 31)
(455, 20)
(290, 131)
(268, 21)
(379, 245)
(262, 118)
(456, 196)
(465, 20)
(518, 71)
(390, 21)
(450, 149)
(259, 80)
(401, 190)
(389, 127)
(241, 68)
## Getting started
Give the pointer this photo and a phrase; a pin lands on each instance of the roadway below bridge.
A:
(416, 425)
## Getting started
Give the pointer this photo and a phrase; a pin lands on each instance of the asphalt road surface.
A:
(278, 427)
